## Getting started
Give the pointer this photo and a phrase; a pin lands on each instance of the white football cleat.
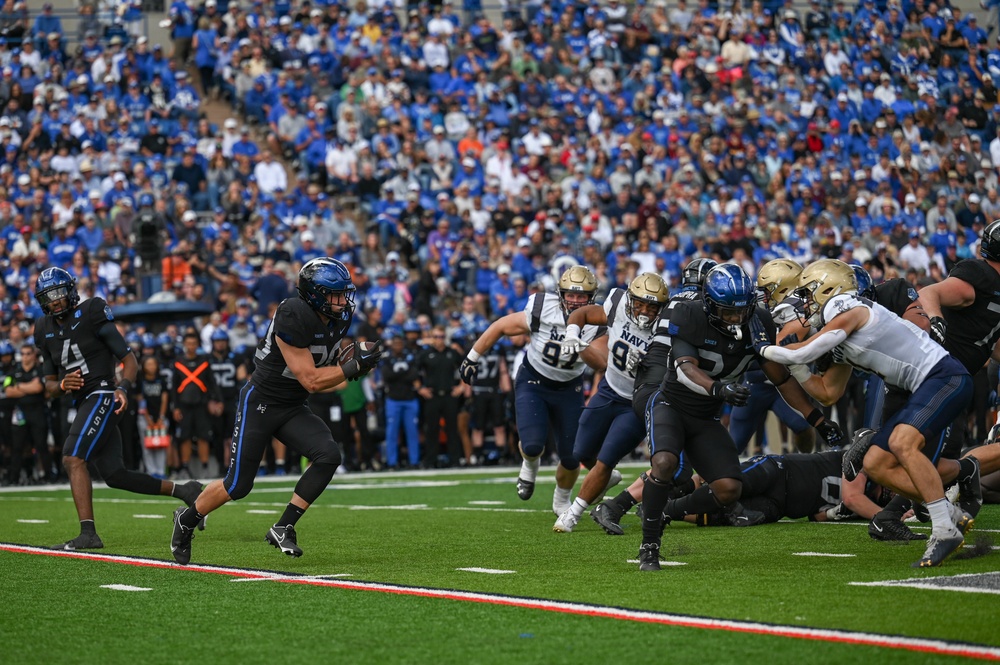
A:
(566, 522)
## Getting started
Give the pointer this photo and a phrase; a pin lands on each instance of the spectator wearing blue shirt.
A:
(501, 292)
(62, 248)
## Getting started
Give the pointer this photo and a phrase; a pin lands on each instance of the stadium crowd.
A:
(457, 164)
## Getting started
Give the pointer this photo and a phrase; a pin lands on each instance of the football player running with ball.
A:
(299, 355)
(710, 350)
(548, 389)
(609, 429)
(80, 342)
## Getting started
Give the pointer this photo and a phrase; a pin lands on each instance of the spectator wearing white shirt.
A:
(914, 254)
(834, 58)
(270, 174)
(536, 142)
(435, 52)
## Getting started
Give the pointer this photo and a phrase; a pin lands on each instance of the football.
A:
(351, 350)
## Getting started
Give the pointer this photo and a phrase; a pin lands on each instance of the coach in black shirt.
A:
(440, 389)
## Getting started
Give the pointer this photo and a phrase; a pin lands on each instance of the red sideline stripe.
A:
(922, 645)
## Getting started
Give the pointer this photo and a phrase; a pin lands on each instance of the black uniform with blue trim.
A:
(273, 402)
(681, 420)
(793, 486)
(87, 339)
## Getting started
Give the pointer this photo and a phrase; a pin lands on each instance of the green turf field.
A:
(418, 530)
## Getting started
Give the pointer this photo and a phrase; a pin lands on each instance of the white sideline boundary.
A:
(897, 642)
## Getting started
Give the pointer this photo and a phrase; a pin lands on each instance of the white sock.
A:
(578, 506)
(529, 469)
(941, 520)
(561, 496)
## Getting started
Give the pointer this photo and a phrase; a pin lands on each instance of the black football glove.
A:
(736, 394)
(938, 329)
(830, 431)
(363, 361)
(758, 335)
(468, 370)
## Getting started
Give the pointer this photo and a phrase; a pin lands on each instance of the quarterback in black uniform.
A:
(80, 342)
(299, 355)
(710, 350)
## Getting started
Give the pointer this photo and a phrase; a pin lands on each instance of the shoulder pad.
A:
(978, 273)
(688, 322)
(840, 304)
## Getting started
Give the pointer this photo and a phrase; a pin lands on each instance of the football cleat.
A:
(736, 515)
(939, 549)
(525, 488)
(890, 528)
(970, 492)
(854, 455)
(180, 541)
(963, 520)
(921, 513)
(649, 557)
(616, 477)
(283, 537)
(566, 522)
(85, 541)
(608, 514)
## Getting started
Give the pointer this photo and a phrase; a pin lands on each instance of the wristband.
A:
(573, 330)
(473, 356)
(814, 417)
(125, 386)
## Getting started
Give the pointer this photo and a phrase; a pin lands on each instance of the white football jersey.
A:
(623, 336)
(547, 323)
(894, 349)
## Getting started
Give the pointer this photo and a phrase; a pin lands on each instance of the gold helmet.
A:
(820, 282)
(646, 288)
(777, 279)
(577, 279)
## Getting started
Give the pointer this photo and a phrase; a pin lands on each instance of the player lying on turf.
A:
(795, 486)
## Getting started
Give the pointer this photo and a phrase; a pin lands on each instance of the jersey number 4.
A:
(72, 358)
(551, 351)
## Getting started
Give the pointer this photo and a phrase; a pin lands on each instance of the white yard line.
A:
(487, 571)
(124, 587)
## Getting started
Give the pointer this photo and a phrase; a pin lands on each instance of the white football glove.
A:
(633, 359)
(571, 342)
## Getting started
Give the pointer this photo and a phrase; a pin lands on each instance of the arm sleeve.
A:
(683, 349)
(108, 333)
(809, 353)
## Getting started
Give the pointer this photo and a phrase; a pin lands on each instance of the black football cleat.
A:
(939, 549)
(737, 515)
(890, 528)
(180, 541)
(921, 513)
(85, 541)
(649, 557)
(970, 492)
(608, 514)
(525, 488)
(283, 537)
(853, 460)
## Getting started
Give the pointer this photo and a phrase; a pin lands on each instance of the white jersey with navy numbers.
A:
(623, 336)
(894, 349)
(547, 323)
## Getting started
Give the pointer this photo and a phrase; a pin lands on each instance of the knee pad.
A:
(532, 451)
(570, 463)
